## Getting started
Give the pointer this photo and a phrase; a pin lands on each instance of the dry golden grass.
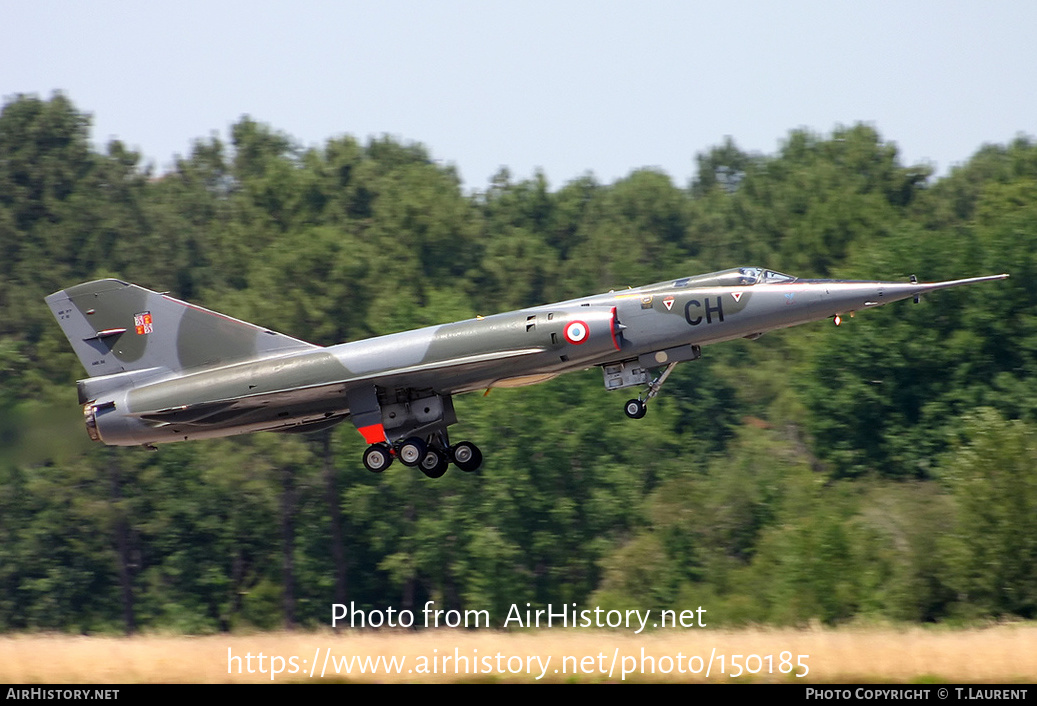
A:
(1001, 654)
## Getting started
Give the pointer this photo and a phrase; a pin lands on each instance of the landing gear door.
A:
(627, 373)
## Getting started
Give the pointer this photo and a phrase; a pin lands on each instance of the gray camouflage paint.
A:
(194, 373)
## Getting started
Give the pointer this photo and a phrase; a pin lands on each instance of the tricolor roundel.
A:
(576, 332)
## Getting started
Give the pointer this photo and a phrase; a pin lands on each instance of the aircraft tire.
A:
(377, 458)
(412, 451)
(635, 409)
(467, 456)
(434, 464)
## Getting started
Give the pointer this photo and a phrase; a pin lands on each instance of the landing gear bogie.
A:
(431, 457)
(637, 408)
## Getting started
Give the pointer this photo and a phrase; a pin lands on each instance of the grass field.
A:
(999, 654)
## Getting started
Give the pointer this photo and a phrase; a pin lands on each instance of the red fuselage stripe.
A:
(612, 325)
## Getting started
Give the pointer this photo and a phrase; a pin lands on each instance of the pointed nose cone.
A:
(844, 297)
(930, 286)
(894, 291)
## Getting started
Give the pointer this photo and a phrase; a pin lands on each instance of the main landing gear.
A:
(637, 408)
(431, 456)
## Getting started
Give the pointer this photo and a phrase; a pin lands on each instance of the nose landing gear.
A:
(637, 408)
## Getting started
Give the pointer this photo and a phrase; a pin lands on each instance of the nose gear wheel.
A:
(635, 409)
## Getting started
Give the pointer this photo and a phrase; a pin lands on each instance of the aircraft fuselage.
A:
(400, 386)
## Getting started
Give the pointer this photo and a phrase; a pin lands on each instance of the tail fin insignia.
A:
(117, 327)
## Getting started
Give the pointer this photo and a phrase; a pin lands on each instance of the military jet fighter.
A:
(163, 370)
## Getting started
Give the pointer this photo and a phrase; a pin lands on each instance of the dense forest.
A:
(884, 469)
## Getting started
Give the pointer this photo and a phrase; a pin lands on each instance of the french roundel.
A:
(576, 332)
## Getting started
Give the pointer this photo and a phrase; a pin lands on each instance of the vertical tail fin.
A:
(117, 327)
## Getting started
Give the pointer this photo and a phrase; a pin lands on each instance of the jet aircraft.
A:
(162, 370)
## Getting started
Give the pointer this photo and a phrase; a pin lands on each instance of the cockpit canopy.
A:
(758, 275)
(735, 277)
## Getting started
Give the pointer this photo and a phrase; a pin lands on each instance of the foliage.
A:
(818, 474)
(995, 539)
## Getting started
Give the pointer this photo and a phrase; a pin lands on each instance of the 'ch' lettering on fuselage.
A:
(694, 309)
